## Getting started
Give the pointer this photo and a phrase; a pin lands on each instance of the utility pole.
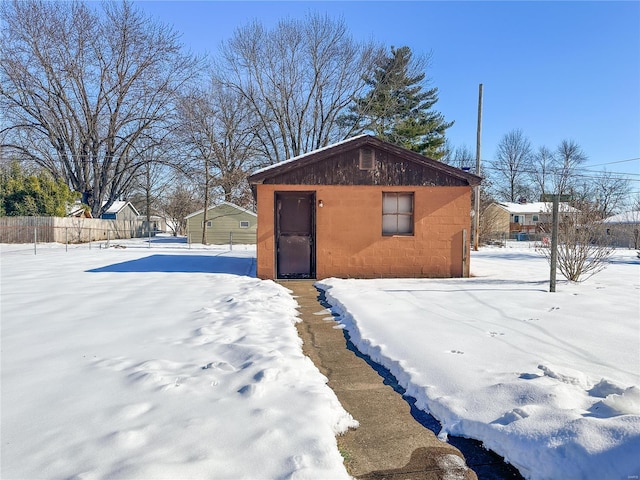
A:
(554, 243)
(476, 203)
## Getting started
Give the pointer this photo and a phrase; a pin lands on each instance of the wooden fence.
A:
(66, 230)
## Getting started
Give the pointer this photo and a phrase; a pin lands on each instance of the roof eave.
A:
(318, 155)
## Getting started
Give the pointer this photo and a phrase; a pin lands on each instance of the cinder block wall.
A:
(349, 240)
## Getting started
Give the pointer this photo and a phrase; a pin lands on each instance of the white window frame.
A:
(244, 224)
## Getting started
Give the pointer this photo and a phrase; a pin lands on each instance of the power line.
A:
(594, 175)
(586, 167)
(618, 161)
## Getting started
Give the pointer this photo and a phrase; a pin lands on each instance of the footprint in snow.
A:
(224, 366)
(251, 390)
(456, 352)
(267, 374)
(495, 334)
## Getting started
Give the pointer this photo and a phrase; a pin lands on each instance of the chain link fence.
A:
(98, 233)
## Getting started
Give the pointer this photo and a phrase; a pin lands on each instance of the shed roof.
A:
(229, 204)
(119, 205)
(321, 154)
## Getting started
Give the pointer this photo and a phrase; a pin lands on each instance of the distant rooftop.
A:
(535, 207)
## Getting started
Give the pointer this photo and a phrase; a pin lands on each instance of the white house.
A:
(508, 219)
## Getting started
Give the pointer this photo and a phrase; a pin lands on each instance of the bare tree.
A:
(150, 185)
(460, 157)
(583, 249)
(568, 157)
(297, 79)
(198, 137)
(179, 202)
(217, 130)
(510, 166)
(540, 171)
(610, 192)
(489, 226)
(85, 92)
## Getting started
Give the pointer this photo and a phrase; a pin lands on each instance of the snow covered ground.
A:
(156, 363)
(172, 362)
(551, 381)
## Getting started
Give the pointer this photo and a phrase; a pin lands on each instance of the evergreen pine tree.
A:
(37, 194)
(397, 109)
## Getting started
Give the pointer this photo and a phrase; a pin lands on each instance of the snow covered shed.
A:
(226, 223)
(121, 210)
(362, 208)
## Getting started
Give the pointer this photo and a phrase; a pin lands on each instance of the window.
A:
(397, 213)
(535, 218)
(516, 219)
(244, 224)
(367, 159)
(208, 223)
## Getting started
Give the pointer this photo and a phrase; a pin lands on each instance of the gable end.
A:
(363, 160)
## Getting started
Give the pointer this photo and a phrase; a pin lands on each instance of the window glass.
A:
(405, 224)
(405, 203)
(389, 203)
(397, 213)
(389, 224)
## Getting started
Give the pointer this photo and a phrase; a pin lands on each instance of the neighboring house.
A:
(506, 219)
(157, 224)
(362, 208)
(121, 210)
(226, 223)
(623, 229)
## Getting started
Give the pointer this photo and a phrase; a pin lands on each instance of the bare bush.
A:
(583, 249)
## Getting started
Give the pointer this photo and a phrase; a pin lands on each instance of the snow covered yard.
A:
(156, 363)
(551, 381)
(173, 362)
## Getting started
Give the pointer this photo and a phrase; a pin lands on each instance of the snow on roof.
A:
(220, 204)
(535, 207)
(293, 159)
(119, 205)
(625, 217)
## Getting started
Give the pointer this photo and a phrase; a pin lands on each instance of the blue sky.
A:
(555, 70)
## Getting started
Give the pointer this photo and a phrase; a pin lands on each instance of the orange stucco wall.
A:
(349, 240)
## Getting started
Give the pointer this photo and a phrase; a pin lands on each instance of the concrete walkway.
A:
(390, 443)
